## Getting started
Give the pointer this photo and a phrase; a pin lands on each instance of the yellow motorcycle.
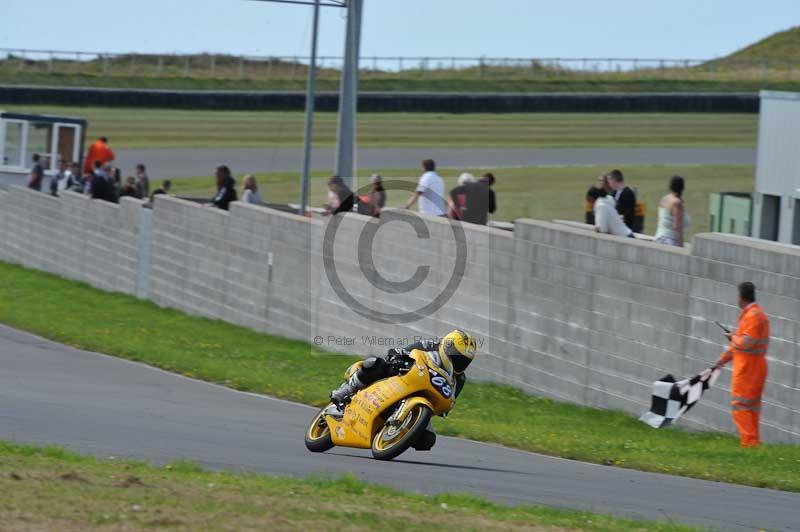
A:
(390, 415)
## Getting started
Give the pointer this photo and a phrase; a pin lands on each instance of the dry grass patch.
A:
(51, 489)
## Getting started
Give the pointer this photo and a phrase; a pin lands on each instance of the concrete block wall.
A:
(216, 264)
(601, 317)
(559, 311)
(395, 256)
(720, 262)
(396, 253)
(73, 236)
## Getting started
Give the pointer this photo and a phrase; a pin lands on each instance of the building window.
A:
(770, 217)
(796, 223)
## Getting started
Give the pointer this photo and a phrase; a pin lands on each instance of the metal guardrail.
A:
(213, 65)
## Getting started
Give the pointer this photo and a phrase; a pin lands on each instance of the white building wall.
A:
(778, 162)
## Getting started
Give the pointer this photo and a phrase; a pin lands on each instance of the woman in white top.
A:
(606, 218)
(672, 217)
(250, 193)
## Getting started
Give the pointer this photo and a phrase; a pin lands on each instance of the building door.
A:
(66, 142)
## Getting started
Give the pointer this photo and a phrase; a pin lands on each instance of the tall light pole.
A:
(307, 134)
(348, 92)
(348, 95)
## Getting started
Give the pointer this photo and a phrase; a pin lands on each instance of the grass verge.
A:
(87, 318)
(49, 488)
(542, 193)
(173, 128)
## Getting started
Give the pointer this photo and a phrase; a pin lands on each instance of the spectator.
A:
(624, 196)
(114, 174)
(75, 182)
(375, 200)
(602, 184)
(115, 179)
(672, 216)
(165, 186)
(142, 181)
(37, 173)
(98, 169)
(429, 192)
(226, 188)
(332, 202)
(342, 196)
(130, 189)
(98, 151)
(458, 196)
(489, 179)
(250, 193)
(73, 177)
(606, 218)
(86, 183)
(588, 208)
(479, 202)
(59, 180)
(100, 186)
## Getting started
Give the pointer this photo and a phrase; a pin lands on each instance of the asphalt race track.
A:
(50, 393)
(186, 162)
(190, 162)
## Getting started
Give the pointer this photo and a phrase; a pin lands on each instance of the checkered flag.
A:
(672, 399)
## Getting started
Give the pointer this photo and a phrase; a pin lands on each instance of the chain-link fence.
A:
(224, 66)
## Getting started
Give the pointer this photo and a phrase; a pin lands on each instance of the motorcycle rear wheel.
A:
(393, 440)
(318, 435)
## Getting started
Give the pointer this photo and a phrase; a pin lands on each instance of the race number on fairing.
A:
(440, 383)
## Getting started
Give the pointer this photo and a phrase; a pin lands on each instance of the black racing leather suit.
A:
(398, 361)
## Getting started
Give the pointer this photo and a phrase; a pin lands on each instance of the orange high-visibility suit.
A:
(748, 349)
(98, 151)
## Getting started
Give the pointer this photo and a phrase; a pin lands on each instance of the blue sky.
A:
(500, 28)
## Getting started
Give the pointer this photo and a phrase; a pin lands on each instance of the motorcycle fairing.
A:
(366, 412)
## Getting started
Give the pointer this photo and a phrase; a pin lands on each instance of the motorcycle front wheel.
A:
(393, 440)
(318, 435)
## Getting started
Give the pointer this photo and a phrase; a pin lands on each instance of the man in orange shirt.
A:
(98, 151)
(748, 350)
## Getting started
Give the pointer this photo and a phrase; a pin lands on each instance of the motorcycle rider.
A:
(457, 346)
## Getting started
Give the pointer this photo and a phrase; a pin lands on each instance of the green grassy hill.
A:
(782, 48)
(772, 63)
